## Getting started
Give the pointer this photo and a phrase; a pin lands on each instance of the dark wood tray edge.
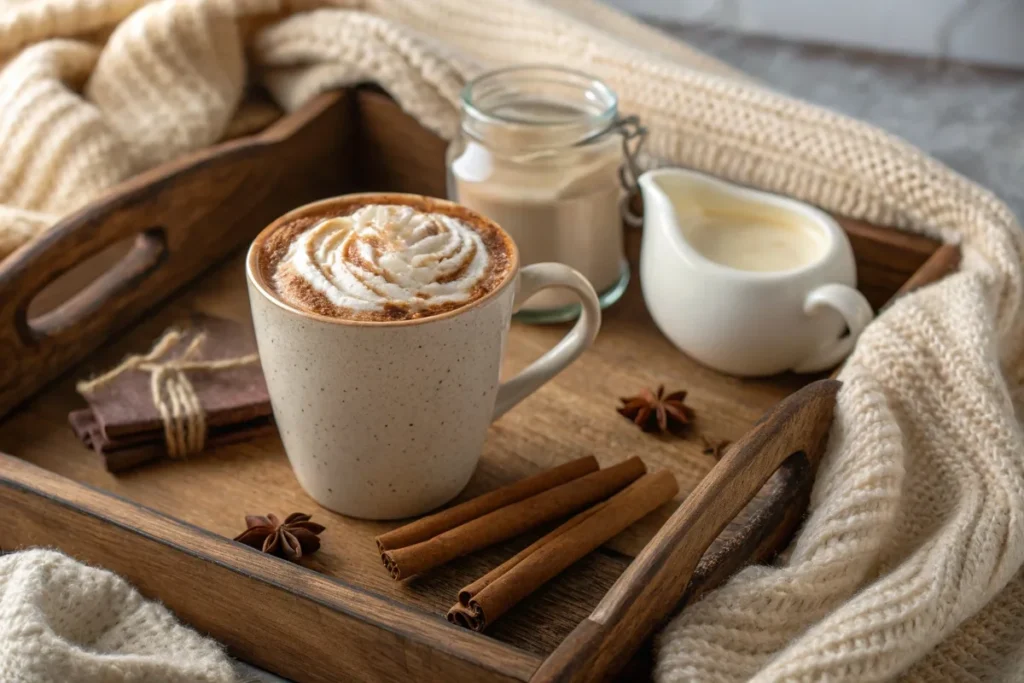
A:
(101, 528)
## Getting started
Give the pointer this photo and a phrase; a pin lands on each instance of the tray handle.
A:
(794, 433)
(184, 216)
(145, 255)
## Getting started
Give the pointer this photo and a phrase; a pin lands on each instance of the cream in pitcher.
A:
(747, 282)
(754, 242)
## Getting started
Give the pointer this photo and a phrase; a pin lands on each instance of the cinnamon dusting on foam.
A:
(433, 262)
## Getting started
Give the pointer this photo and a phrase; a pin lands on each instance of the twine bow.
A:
(173, 394)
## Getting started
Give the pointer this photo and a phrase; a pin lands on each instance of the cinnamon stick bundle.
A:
(490, 596)
(511, 520)
(428, 527)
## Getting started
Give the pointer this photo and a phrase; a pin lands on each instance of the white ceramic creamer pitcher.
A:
(747, 282)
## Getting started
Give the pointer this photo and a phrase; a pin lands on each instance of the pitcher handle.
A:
(532, 279)
(857, 313)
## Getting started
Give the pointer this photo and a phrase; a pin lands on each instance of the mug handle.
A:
(532, 279)
(857, 313)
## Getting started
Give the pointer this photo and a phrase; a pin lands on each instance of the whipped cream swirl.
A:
(390, 255)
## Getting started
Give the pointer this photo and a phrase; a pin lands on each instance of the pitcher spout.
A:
(654, 195)
(667, 205)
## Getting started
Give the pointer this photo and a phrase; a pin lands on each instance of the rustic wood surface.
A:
(198, 504)
(571, 417)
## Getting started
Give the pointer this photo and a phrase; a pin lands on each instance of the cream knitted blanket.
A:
(64, 622)
(909, 563)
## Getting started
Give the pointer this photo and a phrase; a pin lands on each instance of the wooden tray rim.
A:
(140, 520)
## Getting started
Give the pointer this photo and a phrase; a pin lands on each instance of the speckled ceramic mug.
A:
(384, 420)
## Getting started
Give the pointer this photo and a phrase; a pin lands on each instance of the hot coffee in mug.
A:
(381, 320)
(385, 262)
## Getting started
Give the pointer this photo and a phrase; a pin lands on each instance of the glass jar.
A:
(541, 152)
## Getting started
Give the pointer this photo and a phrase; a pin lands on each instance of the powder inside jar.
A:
(558, 201)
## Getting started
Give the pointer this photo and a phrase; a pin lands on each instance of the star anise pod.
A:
(714, 448)
(656, 411)
(291, 539)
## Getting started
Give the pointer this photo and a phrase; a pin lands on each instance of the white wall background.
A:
(980, 31)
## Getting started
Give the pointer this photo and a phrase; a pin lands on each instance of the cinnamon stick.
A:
(467, 593)
(511, 520)
(490, 596)
(428, 527)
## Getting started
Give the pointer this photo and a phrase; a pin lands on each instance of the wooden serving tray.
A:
(167, 526)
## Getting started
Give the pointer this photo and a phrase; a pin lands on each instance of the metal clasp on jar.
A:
(633, 136)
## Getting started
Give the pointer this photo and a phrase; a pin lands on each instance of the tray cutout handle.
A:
(146, 252)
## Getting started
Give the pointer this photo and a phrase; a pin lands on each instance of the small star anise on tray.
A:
(714, 448)
(657, 412)
(291, 539)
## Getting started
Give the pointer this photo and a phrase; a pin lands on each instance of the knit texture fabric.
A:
(61, 621)
(909, 563)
